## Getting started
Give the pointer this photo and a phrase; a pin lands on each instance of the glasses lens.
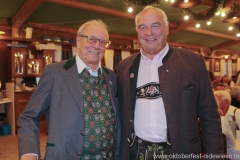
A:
(103, 43)
(92, 40)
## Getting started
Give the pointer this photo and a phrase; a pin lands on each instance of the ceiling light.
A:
(217, 13)
(226, 57)
(172, 1)
(198, 25)
(186, 3)
(2, 32)
(223, 14)
(209, 22)
(186, 17)
(238, 34)
(130, 9)
(230, 28)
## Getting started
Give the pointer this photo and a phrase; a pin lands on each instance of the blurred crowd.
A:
(229, 84)
(227, 94)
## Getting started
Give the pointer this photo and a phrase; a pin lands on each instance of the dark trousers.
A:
(144, 150)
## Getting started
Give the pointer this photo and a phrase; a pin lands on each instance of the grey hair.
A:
(95, 22)
(235, 91)
(224, 95)
(165, 19)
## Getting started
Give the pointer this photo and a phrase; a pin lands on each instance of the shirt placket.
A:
(153, 78)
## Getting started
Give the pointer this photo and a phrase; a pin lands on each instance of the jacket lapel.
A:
(110, 85)
(133, 74)
(73, 81)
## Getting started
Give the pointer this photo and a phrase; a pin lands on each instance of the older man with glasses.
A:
(81, 105)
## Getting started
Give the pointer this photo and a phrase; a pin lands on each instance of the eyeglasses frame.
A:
(107, 42)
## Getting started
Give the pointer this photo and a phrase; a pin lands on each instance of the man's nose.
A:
(97, 44)
(149, 31)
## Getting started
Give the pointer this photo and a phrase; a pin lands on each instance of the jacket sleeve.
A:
(29, 120)
(208, 113)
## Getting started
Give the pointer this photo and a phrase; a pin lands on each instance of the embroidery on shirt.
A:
(149, 91)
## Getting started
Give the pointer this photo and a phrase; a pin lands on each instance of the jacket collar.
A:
(70, 62)
(133, 74)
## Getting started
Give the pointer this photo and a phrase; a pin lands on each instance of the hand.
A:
(220, 112)
(29, 157)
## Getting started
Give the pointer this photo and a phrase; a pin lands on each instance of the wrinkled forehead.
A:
(96, 30)
(150, 15)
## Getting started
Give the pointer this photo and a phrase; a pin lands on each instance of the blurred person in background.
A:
(235, 95)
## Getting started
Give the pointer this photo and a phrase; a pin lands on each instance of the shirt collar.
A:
(158, 57)
(81, 65)
(230, 110)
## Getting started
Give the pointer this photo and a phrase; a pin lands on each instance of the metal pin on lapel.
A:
(110, 82)
(131, 75)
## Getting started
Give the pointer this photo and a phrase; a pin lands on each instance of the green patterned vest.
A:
(99, 118)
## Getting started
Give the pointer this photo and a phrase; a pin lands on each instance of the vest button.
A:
(82, 134)
(79, 153)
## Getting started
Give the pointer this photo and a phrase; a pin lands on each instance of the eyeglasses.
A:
(93, 40)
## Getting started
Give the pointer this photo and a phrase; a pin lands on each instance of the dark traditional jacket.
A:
(186, 92)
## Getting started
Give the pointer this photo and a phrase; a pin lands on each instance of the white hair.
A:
(164, 16)
(235, 91)
(95, 22)
(223, 94)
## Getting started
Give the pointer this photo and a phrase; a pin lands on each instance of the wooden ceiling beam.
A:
(24, 12)
(225, 45)
(71, 30)
(11, 38)
(181, 26)
(187, 45)
(120, 36)
(52, 27)
(92, 8)
(98, 9)
(207, 3)
(211, 33)
(229, 51)
(5, 27)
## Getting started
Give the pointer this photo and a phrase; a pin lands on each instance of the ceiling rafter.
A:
(98, 9)
(181, 26)
(211, 33)
(30, 5)
(51, 27)
(23, 13)
(93, 8)
(71, 30)
(4, 26)
(225, 45)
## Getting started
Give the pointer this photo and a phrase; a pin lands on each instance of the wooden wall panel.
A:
(3, 63)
